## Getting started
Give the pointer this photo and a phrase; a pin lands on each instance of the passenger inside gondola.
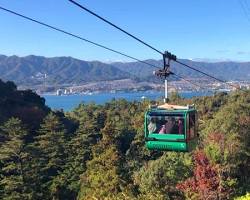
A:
(166, 125)
(170, 126)
(163, 129)
(152, 126)
(180, 126)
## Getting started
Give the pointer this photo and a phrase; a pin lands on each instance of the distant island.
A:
(67, 75)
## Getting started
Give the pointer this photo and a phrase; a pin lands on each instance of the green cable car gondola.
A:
(171, 127)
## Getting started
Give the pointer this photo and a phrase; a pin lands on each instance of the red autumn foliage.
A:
(217, 138)
(205, 184)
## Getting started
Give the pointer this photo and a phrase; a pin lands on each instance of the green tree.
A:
(161, 176)
(175, 98)
(104, 176)
(50, 151)
(14, 158)
(90, 119)
(245, 197)
(226, 139)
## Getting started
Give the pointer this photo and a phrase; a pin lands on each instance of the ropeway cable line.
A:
(197, 70)
(146, 44)
(88, 41)
(117, 27)
(75, 36)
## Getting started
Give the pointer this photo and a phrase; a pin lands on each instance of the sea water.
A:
(69, 102)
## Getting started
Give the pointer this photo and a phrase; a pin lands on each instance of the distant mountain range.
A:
(224, 70)
(31, 70)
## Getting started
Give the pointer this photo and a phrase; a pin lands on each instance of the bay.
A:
(69, 102)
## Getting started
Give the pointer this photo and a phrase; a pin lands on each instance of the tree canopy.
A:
(98, 151)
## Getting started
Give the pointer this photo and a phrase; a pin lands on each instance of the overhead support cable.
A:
(146, 44)
(245, 9)
(102, 46)
(75, 36)
(206, 74)
(115, 26)
(181, 77)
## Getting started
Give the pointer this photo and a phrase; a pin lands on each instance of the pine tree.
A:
(90, 119)
(14, 158)
(50, 150)
(103, 178)
(78, 152)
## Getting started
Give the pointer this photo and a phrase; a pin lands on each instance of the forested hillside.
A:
(31, 70)
(98, 151)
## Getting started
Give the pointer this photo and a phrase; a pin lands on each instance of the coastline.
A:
(69, 102)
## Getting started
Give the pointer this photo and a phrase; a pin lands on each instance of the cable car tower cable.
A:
(117, 27)
(217, 79)
(84, 39)
(146, 44)
(76, 36)
(91, 42)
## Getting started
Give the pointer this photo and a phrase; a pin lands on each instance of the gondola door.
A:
(191, 130)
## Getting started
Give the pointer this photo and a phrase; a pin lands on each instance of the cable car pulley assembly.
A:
(165, 72)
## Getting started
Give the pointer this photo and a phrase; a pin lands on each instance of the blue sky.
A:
(205, 29)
